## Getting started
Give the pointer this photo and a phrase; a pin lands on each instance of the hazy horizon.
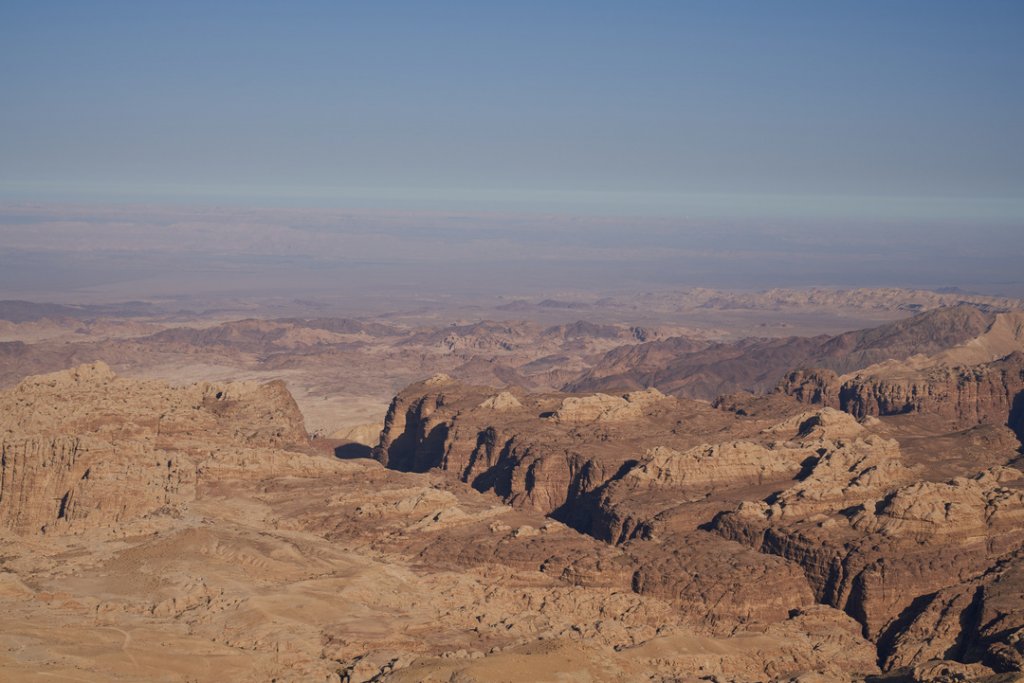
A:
(124, 251)
(451, 147)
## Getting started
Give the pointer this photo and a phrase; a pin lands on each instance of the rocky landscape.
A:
(605, 499)
(343, 367)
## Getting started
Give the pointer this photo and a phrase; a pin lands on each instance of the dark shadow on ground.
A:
(351, 451)
(1016, 418)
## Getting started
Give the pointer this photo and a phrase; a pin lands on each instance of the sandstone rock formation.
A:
(83, 448)
(829, 508)
(858, 526)
(203, 538)
(503, 401)
(604, 408)
(962, 396)
(872, 547)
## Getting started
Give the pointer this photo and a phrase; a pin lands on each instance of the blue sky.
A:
(913, 107)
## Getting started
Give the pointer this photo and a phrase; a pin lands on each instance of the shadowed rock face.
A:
(544, 450)
(963, 396)
(577, 458)
(979, 620)
(516, 535)
(890, 545)
(832, 509)
(199, 537)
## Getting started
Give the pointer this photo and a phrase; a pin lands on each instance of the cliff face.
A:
(182, 541)
(83, 448)
(62, 483)
(888, 544)
(583, 459)
(541, 451)
(979, 620)
(963, 396)
(888, 541)
(817, 386)
(740, 517)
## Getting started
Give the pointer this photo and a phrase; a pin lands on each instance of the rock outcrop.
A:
(538, 450)
(263, 563)
(84, 448)
(962, 396)
(965, 396)
(605, 408)
(981, 620)
(872, 547)
(743, 517)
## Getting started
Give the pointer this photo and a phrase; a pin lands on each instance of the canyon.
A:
(571, 494)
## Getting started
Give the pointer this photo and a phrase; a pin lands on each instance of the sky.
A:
(162, 147)
(716, 108)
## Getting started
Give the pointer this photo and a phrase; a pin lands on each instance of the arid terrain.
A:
(512, 342)
(692, 485)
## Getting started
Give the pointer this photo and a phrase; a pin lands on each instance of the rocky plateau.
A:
(556, 501)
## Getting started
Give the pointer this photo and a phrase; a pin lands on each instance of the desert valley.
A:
(512, 342)
(787, 485)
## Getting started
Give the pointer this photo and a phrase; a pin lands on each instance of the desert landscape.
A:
(744, 492)
(512, 342)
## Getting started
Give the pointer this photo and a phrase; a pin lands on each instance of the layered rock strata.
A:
(962, 396)
(816, 506)
(84, 448)
(266, 561)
